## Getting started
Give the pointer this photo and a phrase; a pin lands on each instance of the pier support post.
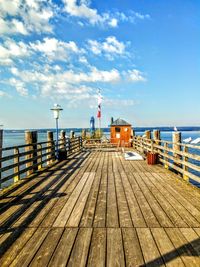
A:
(51, 148)
(29, 156)
(176, 139)
(1, 146)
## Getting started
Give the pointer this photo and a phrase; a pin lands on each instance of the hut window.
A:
(117, 130)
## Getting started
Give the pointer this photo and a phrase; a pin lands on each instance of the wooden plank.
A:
(100, 212)
(89, 211)
(47, 248)
(161, 216)
(197, 230)
(115, 251)
(77, 212)
(169, 209)
(132, 250)
(64, 247)
(112, 219)
(190, 207)
(27, 253)
(123, 208)
(15, 211)
(69, 205)
(185, 215)
(150, 251)
(135, 211)
(192, 237)
(73, 181)
(16, 247)
(183, 247)
(144, 206)
(81, 247)
(97, 253)
(147, 212)
(166, 248)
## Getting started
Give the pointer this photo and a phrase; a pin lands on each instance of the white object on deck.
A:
(129, 155)
(196, 141)
(187, 140)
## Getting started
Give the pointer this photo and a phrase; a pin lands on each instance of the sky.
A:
(144, 56)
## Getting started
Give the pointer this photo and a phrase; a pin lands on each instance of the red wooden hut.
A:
(120, 132)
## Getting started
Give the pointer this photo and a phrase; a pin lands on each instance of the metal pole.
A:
(57, 138)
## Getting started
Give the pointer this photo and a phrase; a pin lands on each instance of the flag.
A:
(99, 111)
(99, 106)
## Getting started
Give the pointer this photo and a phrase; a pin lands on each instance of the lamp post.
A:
(56, 112)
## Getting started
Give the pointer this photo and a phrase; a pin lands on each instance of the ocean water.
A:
(16, 137)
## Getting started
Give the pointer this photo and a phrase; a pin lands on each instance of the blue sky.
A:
(142, 54)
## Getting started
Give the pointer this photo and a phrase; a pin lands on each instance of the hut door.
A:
(117, 132)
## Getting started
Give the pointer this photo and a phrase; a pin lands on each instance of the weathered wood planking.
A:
(97, 209)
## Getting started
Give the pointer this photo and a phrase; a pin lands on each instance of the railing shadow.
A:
(190, 249)
(7, 225)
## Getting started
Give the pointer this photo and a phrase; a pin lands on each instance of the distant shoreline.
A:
(107, 129)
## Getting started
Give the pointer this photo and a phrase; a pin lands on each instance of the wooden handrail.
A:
(12, 165)
(171, 157)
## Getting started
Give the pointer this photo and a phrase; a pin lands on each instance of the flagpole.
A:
(99, 111)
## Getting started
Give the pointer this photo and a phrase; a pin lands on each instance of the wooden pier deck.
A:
(97, 209)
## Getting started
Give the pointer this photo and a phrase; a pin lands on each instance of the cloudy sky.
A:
(142, 54)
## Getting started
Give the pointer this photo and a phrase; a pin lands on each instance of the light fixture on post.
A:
(56, 112)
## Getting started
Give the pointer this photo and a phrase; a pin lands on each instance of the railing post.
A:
(185, 168)
(83, 133)
(51, 148)
(29, 156)
(63, 138)
(165, 157)
(148, 136)
(176, 147)
(16, 161)
(81, 142)
(39, 154)
(156, 136)
(69, 145)
(35, 152)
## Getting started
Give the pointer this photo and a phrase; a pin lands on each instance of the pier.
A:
(95, 208)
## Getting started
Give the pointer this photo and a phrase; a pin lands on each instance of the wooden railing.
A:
(182, 158)
(21, 161)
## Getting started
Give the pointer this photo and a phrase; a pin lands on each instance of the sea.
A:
(16, 137)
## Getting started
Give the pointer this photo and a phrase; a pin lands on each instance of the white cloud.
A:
(3, 94)
(55, 49)
(132, 17)
(119, 102)
(11, 50)
(113, 22)
(71, 85)
(110, 47)
(136, 76)
(25, 16)
(82, 10)
(19, 86)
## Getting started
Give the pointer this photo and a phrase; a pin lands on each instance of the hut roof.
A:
(120, 122)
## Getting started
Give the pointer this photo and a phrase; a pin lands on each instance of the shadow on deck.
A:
(97, 209)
